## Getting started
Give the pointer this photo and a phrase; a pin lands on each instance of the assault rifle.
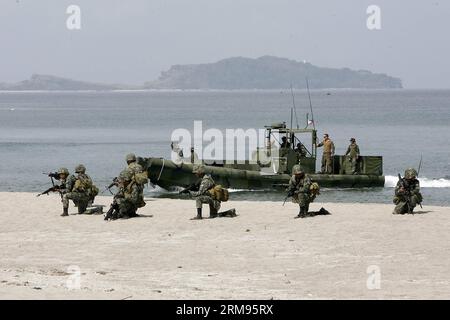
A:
(54, 175)
(54, 188)
(115, 182)
(112, 212)
(51, 189)
(192, 187)
(290, 194)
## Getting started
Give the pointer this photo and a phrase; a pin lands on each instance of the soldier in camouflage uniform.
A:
(78, 188)
(328, 153)
(128, 196)
(202, 195)
(353, 154)
(407, 193)
(136, 168)
(300, 190)
(62, 188)
(300, 151)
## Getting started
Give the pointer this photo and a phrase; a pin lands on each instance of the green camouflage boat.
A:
(270, 166)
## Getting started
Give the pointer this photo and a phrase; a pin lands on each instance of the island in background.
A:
(267, 72)
(236, 73)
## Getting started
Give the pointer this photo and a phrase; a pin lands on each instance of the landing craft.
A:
(270, 167)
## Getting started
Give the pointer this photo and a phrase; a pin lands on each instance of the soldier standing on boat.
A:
(302, 190)
(328, 153)
(301, 150)
(407, 193)
(204, 194)
(353, 155)
(284, 143)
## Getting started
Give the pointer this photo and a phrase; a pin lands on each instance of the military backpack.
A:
(84, 184)
(219, 193)
(141, 178)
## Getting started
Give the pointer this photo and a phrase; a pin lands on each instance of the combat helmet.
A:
(126, 175)
(410, 173)
(64, 171)
(80, 169)
(198, 168)
(131, 157)
(297, 169)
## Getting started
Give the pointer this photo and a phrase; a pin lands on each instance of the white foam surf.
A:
(391, 182)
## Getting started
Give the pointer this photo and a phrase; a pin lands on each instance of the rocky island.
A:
(267, 72)
(48, 82)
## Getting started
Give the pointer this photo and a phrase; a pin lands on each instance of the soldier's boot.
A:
(65, 212)
(228, 213)
(400, 208)
(302, 213)
(213, 213)
(134, 214)
(82, 208)
(199, 214)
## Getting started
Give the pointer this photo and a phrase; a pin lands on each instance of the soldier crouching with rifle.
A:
(302, 190)
(407, 193)
(80, 189)
(128, 198)
(209, 193)
(61, 175)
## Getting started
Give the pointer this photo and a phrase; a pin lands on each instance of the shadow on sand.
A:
(421, 212)
(321, 212)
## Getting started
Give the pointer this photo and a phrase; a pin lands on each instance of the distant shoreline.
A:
(331, 90)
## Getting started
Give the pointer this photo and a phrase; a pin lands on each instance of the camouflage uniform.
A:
(328, 152)
(64, 177)
(202, 195)
(301, 189)
(135, 168)
(407, 193)
(128, 199)
(353, 154)
(79, 189)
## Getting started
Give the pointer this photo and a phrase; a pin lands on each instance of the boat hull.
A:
(167, 174)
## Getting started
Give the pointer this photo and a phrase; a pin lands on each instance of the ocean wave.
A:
(391, 182)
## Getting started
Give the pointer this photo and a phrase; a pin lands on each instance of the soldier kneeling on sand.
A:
(302, 190)
(407, 193)
(210, 193)
(127, 200)
(79, 188)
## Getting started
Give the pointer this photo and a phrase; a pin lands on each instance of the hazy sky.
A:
(133, 41)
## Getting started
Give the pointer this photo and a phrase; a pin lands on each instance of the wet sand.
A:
(360, 251)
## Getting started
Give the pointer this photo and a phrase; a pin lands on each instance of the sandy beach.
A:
(361, 251)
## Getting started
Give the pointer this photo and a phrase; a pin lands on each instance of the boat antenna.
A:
(295, 109)
(310, 104)
(291, 118)
(420, 165)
